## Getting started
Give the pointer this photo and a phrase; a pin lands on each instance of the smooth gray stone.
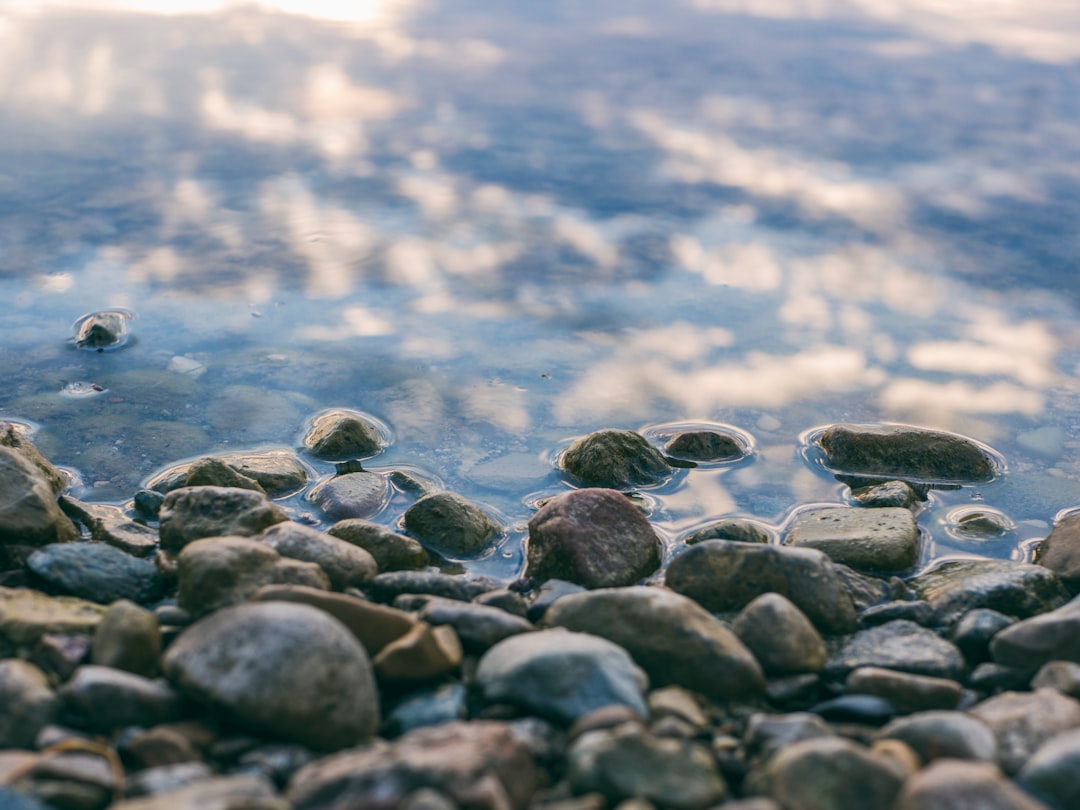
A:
(899, 645)
(345, 565)
(103, 699)
(352, 495)
(780, 636)
(97, 572)
(387, 587)
(342, 434)
(944, 734)
(1023, 721)
(478, 627)
(450, 524)
(1051, 773)
(1028, 644)
(619, 459)
(28, 703)
(879, 540)
(952, 784)
(192, 513)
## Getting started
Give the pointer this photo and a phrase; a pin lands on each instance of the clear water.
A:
(497, 226)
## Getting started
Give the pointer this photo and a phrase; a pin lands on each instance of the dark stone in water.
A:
(619, 459)
(738, 529)
(450, 524)
(148, 503)
(353, 495)
(906, 452)
(1060, 552)
(98, 331)
(340, 435)
(705, 445)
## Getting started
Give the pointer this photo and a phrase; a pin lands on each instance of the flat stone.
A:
(238, 792)
(29, 514)
(387, 587)
(109, 524)
(345, 564)
(423, 653)
(481, 765)
(214, 472)
(1052, 636)
(560, 675)
(887, 493)
(1013, 588)
(767, 733)
(166, 778)
(723, 575)
(616, 459)
(451, 525)
(1023, 721)
(899, 645)
(192, 513)
(29, 704)
(477, 626)
(1060, 551)
(127, 637)
(944, 734)
(26, 615)
(342, 434)
(906, 692)
(286, 670)
(278, 472)
(906, 452)
(392, 551)
(592, 537)
(98, 572)
(671, 637)
(919, 611)
(352, 495)
(102, 699)
(780, 636)
(877, 540)
(950, 784)
(1050, 774)
(741, 530)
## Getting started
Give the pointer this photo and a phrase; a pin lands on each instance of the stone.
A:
(478, 627)
(943, 734)
(906, 692)
(158, 747)
(993, 678)
(286, 670)
(345, 565)
(862, 710)
(101, 699)
(899, 645)
(444, 704)
(107, 329)
(1050, 774)
(352, 495)
(592, 537)
(974, 631)
(127, 637)
(16, 437)
(71, 780)
(706, 446)
(59, 654)
(723, 575)
(147, 503)
(919, 611)
(906, 452)
(482, 765)
(560, 675)
(827, 773)
(109, 524)
(741, 530)
(28, 704)
(672, 638)
(767, 733)
(17, 800)
(505, 599)
(218, 571)
(549, 592)
(628, 762)
(951, 784)
(97, 572)
(1023, 721)
(26, 615)
(387, 587)
(423, 653)
(675, 701)
(887, 493)
(615, 459)
(878, 540)
(780, 636)
(214, 472)
(192, 513)
(1016, 589)
(29, 514)
(278, 472)
(237, 792)
(1052, 636)
(1064, 676)
(392, 551)
(1060, 551)
(450, 525)
(374, 625)
(165, 778)
(339, 435)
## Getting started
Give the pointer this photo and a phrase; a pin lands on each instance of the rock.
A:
(874, 540)
(218, 571)
(340, 434)
(899, 645)
(59, 655)
(723, 575)
(445, 704)
(1023, 721)
(387, 587)
(592, 537)
(214, 472)
(352, 495)
(28, 704)
(16, 437)
(560, 675)
(888, 493)
(127, 637)
(829, 773)
(675, 701)
(919, 611)
(767, 733)
(706, 446)
(628, 762)
(505, 599)
(1060, 551)
(286, 670)
(450, 524)
(192, 513)
(974, 631)
(13, 800)
(616, 459)
(549, 592)
(478, 627)
(238, 792)
(374, 625)
(738, 529)
(29, 514)
(993, 678)
(863, 710)
(671, 637)
(1030, 643)
(278, 472)
(107, 329)
(147, 503)
(423, 653)
(906, 692)
(1016, 589)
(952, 784)
(1050, 774)
(943, 734)
(97, 572)
(158, 747)
(1064, 676)
(795, 692)
(109, 524)
(392, 551)
(74, 781)
(780, 636)
(167, 778)
(26, 615)
(102, 699)
(481, 765)
(869, 591)
(906, 452)
(345, 565)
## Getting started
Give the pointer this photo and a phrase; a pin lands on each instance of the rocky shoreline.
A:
(205, 649)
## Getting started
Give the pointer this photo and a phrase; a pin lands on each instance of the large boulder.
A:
(903, 451)
(282, 669)
(29, 513)
(593, 537)
(619, 459)
(191, 513)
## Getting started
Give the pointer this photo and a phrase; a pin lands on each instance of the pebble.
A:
(974, 631)
(28, 702)
(243, 791)
(1064, 676)
(615, 459)
(918, 611)
(444, 704)
(738, 529)
(341, 434)
(214, 472)
(1023, 721)
(26, 615)
(128, 637)
(101, 699)
(29, 513)
(344, 564)
(352, 495)
(98, 572)
(1050, 773)
(870, 710)
(888, 493)
(450, 525)
(906, 692)
(780, 636)
(1052, 636)
(707, 446)
(391, 551)
(877, 540)
(422, 654)
(110, 524)
(767, 733)
(192, 513)
(387, 587)
(951, 784)
(479, 627)
(900, 645)
(906, 452)
(944, 734)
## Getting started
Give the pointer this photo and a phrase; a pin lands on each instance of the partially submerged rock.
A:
(450, 524)
(619, 459)
(29, 513)
(278, 472)
(352, 495)
(1060, 551)
(98, 331)
(706, 446)
(881, 540)
(341, 434)
(191, 513)
(392, 551)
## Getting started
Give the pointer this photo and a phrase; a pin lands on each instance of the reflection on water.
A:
(498, 226)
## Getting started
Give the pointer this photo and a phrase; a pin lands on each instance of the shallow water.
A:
(499, 226)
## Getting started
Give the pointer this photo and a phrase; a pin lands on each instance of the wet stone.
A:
(478, 627)
(28, 702)
(147, 503)
(869, 710)
(444, 704)
(1030, 643)
(1064, 676)
(780, 636)
(392, 551)
(549, 592)
(899, 645)
(875, 540)
(888, 493)
(353, 495)
(103, 330)
(906, 692)
(974, 631)
(918, 611)
(1050, 774)
(944, 734)
(127, 637)
(213, 472)
(192, 513)
(793, 693)
(59, 654)
(29, 513)
(616, 459)
(738, 529)
(345, 565)
(451, 525)
(991, 678)
(97, 572)
(1060, 551)
(101, 699)
(705, 446)
(905, 452)
(26, 615)
(387, 587)
(767, 733)
(159, 746)
(17, 438)
(109, 524)
(1023, 721)
(340, 434)
(951, 784)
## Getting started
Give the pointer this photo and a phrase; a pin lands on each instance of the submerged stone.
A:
(352, 495)
(741, 530)
(450, 524)
(619, 459)
(213, 472)
(98, 331)
(705, 446)
(341, 434)
(905, 451)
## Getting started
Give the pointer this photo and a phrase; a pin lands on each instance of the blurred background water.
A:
(497, 226)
